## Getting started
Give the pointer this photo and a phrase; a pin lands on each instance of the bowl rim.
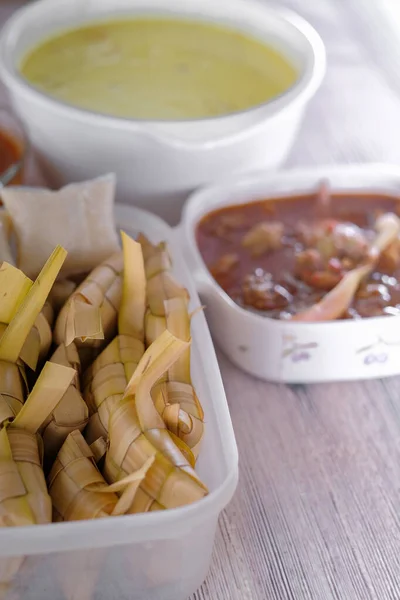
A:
(300, 91)
(192, 215)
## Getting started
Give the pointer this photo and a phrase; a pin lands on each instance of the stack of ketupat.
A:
(106, 410)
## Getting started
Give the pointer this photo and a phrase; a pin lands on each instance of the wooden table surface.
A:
(316, 514)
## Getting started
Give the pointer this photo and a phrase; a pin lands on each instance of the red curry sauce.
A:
(280, 256)
(11, 151)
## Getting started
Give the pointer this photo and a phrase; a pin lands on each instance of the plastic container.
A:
(280, 350)
(157, 556)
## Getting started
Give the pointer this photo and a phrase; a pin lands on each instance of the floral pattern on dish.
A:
(295, 351)
(378, 352)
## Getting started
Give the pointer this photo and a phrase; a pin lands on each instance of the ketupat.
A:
(9, 568)
(17, 285)
(161, 286)
(71, 413)
(166, 478)
(60, 293)
(38, 343)
(87, 567)
(48, 311)
(78, 489)
(29, 304)
(14, 389)
(15, 508)
(72, 472)
(105, 381)
(175, 398)
(24, 499)
(167, 461)
(90, 315)
(43, 325)
(137, 432)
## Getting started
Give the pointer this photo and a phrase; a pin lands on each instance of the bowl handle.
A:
(204, 137)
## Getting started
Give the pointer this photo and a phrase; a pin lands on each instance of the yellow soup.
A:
(158, 69)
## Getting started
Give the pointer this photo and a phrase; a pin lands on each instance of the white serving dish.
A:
(158, 163)
(279, 350)
(156, 556)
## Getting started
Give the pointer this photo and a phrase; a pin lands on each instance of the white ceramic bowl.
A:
(157, 163)
(279, 350)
